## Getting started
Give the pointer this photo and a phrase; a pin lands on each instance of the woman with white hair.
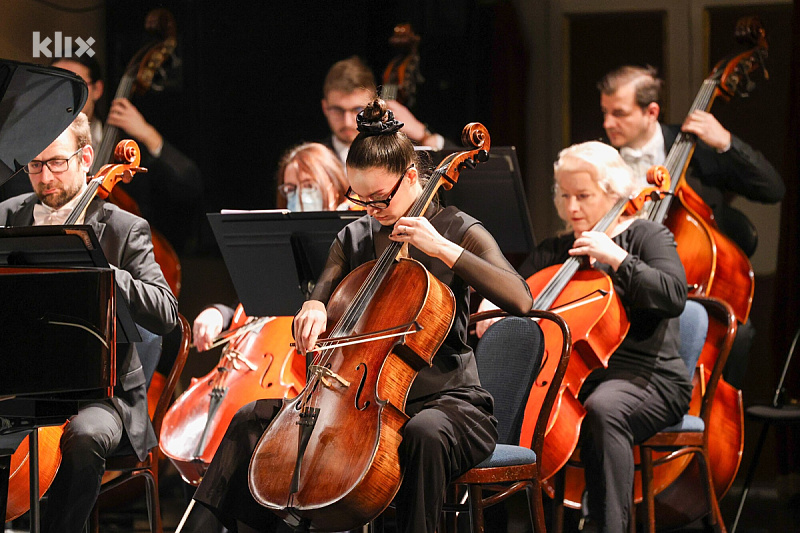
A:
(645, 387)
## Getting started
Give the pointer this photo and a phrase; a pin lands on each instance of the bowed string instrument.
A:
(138, 79)
(329, 460)
(49, 437)
(257, 362)
(715, 266)
(587, 300)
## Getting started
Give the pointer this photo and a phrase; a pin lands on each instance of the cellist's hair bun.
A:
(377, 119)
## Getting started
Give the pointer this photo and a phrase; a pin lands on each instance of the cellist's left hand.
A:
(418, 232)
(599, 246)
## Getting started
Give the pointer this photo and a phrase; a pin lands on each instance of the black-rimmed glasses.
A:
(56, 165)
(382, 203)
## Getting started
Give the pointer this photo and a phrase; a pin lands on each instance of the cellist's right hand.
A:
(309, 323)
(207, 326)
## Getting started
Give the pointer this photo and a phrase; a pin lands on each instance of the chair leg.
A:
(536, 507)
(557, 518)
(750, 473)
(476, 509)
(153, 505)
(714, 517)
(648, 498)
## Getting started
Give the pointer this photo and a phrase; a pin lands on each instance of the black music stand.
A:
(61, 247)
(275, 257)
(492, 192)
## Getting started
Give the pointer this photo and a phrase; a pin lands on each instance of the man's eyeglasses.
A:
(56, 165)
(340, 111)
(381, 203)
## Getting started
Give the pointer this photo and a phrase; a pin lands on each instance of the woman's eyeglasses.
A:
(381, 203)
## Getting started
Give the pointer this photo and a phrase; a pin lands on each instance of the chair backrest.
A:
(694, 328)
(509, 355)
(165, 398)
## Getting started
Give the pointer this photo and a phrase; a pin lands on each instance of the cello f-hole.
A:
(361, 387)
(266, 369)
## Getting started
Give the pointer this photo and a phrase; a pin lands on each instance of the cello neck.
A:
(86, 198)
(384, 263)
(110, 133)
(544, 301)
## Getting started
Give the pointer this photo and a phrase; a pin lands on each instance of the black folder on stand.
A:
(274, 257)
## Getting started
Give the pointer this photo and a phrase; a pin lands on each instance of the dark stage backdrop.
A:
(247, 82)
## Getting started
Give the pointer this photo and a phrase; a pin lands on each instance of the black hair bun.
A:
(376, 119)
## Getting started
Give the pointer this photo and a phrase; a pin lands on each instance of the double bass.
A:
(138, 79)
(329, 460)
(126, 151)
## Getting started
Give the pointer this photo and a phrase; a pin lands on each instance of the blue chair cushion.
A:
(508, 455)
(689, 423)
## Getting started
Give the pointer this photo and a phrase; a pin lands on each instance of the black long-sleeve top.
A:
(481, 265)
(651, 284)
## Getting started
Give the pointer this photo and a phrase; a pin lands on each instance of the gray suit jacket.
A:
(126, 242)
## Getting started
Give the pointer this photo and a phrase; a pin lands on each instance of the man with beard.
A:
(121, 423)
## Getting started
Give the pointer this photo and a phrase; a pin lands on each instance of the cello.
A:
(342, 467)
(138, 79)
(256, 363)
(588, 301)
(50, 436)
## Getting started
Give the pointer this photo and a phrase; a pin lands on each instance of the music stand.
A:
(275, 256)
(63, 246)
(492, 192)
(46, 250)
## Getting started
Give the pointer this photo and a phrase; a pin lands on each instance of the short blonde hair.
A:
(81, 131)
(604, 165)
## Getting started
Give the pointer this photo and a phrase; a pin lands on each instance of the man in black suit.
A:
(58, 177)
(722, 163)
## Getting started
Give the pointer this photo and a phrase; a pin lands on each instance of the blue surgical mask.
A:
(305, 199)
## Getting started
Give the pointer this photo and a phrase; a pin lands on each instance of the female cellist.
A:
(451, 426)
(645, 387)
(310, 178)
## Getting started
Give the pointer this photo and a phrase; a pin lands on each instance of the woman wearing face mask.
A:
(310, 178)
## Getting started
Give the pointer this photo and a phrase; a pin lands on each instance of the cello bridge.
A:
(323, 373)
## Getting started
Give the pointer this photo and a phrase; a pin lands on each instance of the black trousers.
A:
(446, 436)
(620, 413)
(91, 436)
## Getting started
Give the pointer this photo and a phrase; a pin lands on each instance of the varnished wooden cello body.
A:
(329, 460)
(256, 363)
(50, 437)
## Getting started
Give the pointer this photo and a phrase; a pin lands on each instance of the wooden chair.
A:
(509, 357)
(128, 466)
(691, 435)
(779, 413)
